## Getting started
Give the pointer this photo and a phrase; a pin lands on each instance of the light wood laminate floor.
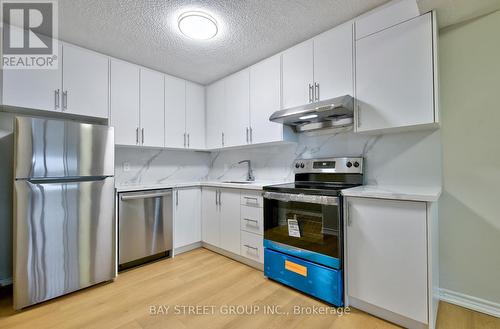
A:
(200, 277)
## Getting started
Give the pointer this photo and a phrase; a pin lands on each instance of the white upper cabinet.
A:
(85, 82)
(395, 78)
(380, 18)
(215, 114)
(33, 89)
(187, 216)
(152, 108)
(387, 259)
(265, 85)
(237, 114)
(195, 115)
(333, 60)
(298, 73)
(175, 112)
(125, 102)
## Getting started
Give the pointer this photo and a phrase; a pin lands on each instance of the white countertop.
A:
(257, 185)
(409, 193)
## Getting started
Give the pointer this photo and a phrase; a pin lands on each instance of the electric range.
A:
(303, 226)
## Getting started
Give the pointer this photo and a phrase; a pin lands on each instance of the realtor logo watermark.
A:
(29, 34)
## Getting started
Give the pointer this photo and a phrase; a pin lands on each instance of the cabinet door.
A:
(333, 71)
(297, 74)
(33, 89)
(230, 221)
(387, 255)
(210, 218)
(152, 109)
(125, 102)
(85, 82)
(175, 112)
(394, 76)
(187, 216)
(215, 114)
(265, 86)
(195, 115)
(237, 115)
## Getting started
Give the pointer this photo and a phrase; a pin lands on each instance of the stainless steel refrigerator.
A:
(64, 208)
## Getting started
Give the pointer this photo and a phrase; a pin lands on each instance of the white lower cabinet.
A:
(187, 216)
(388, 259)
(229, 224)
(230, 220)
(252, 246)
(252, 220)
(210, 219)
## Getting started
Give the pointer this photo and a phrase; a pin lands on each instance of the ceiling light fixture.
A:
(197, 25)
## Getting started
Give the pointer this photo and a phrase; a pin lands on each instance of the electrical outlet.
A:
(126, 166)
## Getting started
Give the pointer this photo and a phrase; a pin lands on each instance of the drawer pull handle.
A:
(251, 247)
(251, 200)
(251, 220)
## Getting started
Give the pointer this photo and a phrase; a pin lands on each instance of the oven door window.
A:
(308, 226)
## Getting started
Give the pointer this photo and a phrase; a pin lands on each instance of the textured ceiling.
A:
(145, 31)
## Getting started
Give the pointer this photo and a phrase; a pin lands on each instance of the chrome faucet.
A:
(250, 176)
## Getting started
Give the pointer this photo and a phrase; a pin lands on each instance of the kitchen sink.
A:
(238, 182)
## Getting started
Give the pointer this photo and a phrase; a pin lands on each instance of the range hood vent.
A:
(335, 113)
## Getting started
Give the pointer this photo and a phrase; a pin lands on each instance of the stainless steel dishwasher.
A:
(144, 226)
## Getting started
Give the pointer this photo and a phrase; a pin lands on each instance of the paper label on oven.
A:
(293, 228)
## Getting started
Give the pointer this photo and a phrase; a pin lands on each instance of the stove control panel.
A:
(348, 165)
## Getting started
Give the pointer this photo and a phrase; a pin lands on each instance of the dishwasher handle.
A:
(144, 195)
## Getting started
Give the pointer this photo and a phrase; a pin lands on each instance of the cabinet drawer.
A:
(252, 219)
(252, 246)
(252, 199)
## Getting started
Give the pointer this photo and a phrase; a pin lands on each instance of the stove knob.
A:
(302, 165)
(349, 164)
(356, 164)
(297, 165)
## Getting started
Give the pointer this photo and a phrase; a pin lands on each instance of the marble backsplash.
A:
(410, 158)
(140, 166)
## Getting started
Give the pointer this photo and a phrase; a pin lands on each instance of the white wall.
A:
(470, 206)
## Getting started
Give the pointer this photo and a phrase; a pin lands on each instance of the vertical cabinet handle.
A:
(349, 220)
(310, 93)
(358, 117)
(56, 98)
(251, 135)
(136, 135)
(184, 139)
(316, 91)
(189, 135)
(216, 197)
(220, 201)
(247, 135)
(65, 100)
(222, 138)
(142, 135)
(176, 197)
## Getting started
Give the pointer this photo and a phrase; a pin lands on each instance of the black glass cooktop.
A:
(315, 188)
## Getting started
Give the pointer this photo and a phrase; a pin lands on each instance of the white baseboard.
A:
(470, 302)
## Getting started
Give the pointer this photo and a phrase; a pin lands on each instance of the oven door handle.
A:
(306, 198)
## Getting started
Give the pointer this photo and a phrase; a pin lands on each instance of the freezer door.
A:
(57, 148)
(64, 237)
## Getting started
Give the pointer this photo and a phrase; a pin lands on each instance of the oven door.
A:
(304, 226)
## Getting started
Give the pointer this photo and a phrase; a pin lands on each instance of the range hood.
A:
(335, 113)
